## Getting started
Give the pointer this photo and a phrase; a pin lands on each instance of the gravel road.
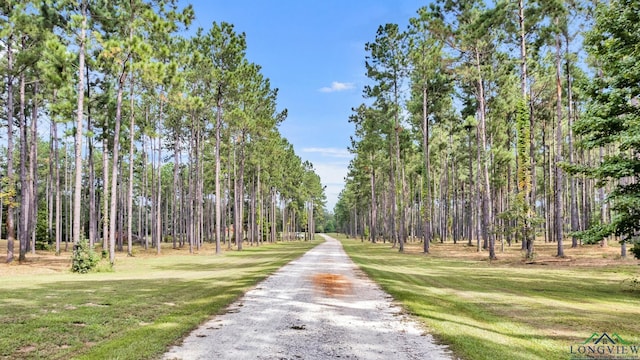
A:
(317, 307)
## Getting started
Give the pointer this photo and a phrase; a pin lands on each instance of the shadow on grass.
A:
(484, 311)
(74, 318)
(97, 316)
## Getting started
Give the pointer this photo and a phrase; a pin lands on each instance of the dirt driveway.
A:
(317, 307)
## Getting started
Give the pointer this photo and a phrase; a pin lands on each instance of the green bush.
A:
(84, 258)
(636, 250)
(44, 239)
(43, 245)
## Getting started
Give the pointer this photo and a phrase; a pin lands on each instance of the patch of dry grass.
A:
(544, 254)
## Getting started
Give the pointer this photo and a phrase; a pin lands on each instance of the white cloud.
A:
(337, 86)
(331, 173)
(329, 152)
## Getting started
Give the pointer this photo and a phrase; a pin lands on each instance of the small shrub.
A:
(103, 266)
(84, 258)
(636, 250)
(42, 245)
(44, 238)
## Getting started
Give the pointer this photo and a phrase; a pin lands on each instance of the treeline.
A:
(121, 128)
(499, 123)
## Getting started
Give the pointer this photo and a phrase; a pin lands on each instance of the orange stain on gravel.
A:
(331, 284)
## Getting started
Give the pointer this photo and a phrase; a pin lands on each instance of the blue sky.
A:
(313, 52)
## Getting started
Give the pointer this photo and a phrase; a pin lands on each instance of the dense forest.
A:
(124, 125)
(500, 123)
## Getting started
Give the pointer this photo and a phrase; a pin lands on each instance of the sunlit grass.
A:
(507, 309)
(136, 312)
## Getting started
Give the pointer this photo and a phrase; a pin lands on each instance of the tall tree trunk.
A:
(182, 218)
(201, 201)
(487, 204)
(121, 213)
(191, 198)
(114, 171)
(259, 207)
(313, 221)
(25, 201)
(573, 200)
(236, 203)
(67, 190)
(218, 192)
(479, 187)
(33, 165)
(546, 181)
(273, 215)
(197, 208)
(603, 202)
(240, 230)
(11, 234)
(470, 199)
(533, 162)
(229, 206)
(445, 196)
(77, 191)
(93, 221)
(552, 175)
(176, 191)
(392, 195)
(252, 212)
(559, 188)
(105, 194)
(159, 196)
(58, 194)
(523, 49)
(284, 225)
(131, 148)
(454, 193)
(154, 192)
(144, 223)
(528, 229)
(427, 233)
(50, 187)
(374, 205)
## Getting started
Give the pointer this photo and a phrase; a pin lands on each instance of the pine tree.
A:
(613, 117)
(386, 65)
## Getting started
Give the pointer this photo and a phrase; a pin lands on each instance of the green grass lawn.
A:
(506, 311)
(136, 312)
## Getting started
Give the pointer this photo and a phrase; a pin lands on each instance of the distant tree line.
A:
(501, 122)
(120, 128)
